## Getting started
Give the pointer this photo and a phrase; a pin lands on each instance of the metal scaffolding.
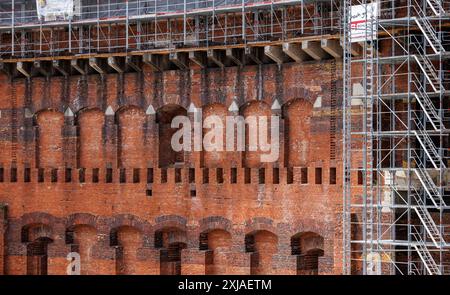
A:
(102, 26)
(396, 143)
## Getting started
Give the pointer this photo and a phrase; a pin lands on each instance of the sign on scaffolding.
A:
(363, 22)
(50, 10)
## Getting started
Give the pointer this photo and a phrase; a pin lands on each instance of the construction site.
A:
(89, 92)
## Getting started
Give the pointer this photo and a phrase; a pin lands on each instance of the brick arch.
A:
(170, 221)
(253, 103)
(319, 227)
(82, 111)
(34, 231)
(132, 221)
(38, 217)
(308, 247)
(81, 219)
(260, 223)
(214, 223)
(127, 108)
(40, 112)
(122, 221)
(181, 103)
(318, 239)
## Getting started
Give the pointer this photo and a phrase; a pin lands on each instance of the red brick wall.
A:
(129, 139)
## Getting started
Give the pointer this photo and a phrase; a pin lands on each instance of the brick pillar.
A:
(283, 262)
(57, 252)
(69, 139)
(57, 262)
(104, 257)
(326, 262)
(151, 138)
(3, 221)
(326, 265)
(234, 156)
(193, 158)
(193, 261)
(110, 138)
(277, 111)
(238, 263)
(28, 137)
(148, 261)
(238, 259)
(16, 258)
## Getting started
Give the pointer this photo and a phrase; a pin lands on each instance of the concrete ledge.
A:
(332, 47)
(294, 51)
(180, 59)
(275, 52)
(199, 58)
(216, 57)
(314, 49)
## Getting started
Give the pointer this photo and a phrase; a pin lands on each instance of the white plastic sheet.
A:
(50, 10)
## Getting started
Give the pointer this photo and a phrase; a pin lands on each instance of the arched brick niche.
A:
(214, 117)
(297, 114)
(37, 237)
(253, 111)
(49, 139)
(170, 241)
(130, 120)
(90, 130)
(164, 116)
(308, 247)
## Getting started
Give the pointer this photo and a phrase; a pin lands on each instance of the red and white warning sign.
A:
(361, 18)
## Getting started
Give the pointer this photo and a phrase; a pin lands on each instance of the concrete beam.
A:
(79, 65)
(313, 49)
(199, 58)
(180, 59)
(157, 62)
(234, 55)
(216, 57)
(117, 65)
(356, 49)
(133, 62)
(24, 68)
(275, 53)
(294, 51)
(332, 47)
(61, 67)
(97, 65)
(252, 54)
